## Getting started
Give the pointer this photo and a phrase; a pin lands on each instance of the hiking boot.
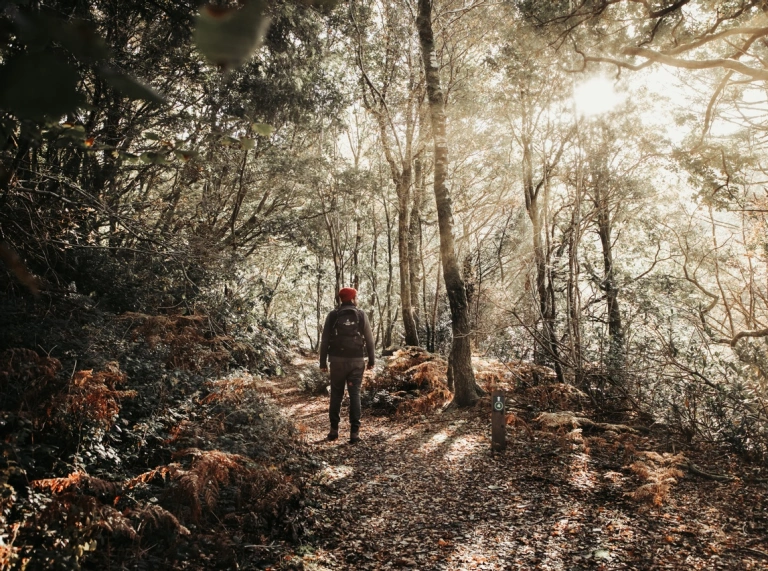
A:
(332, 435)
(354, 438)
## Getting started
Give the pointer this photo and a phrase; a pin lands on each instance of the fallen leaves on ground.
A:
(423, 491)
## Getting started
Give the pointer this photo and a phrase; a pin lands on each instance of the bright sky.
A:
(596, 95)
(663, 91)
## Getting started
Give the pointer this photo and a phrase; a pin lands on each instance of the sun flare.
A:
(595, 96)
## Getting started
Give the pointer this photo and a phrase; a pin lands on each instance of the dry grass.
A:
(190, 343)
(29, 381)
(557, 420)
(79, 482)
(430, 401)
(404, 359)
(197, 488)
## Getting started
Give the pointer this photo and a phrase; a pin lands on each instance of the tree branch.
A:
(754, 32)
(748, 333)
(729, 64)
(711, 105)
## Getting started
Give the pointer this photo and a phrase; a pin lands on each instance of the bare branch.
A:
(656, 260)
(755, 33)
(729, 64)
(617, 62)
(711, 106)
(668, 10)
(748, 333)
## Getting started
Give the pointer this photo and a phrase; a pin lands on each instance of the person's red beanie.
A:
(347, 294)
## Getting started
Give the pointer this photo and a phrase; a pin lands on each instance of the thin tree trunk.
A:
(615, 328)
(460, 373)
(403, 239)
(397, 145)
(376, 298)
(387, 340)
(241, 192)
(573, 297)
(414, 241)
(424, 309)
(574, 271)
(356, 255)
(318, 303)
(546, 349)
(478, 292)
(435, 305)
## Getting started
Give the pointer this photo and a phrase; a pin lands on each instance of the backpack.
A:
(346, 334)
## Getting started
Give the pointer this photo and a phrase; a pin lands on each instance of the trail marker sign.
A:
(498, 421)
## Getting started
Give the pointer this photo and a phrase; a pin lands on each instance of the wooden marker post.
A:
(498, 422)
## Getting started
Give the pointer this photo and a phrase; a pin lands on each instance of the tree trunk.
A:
(375, 297)
(615, 328)
(356, 255)
(403, 239)
(433, 321)
(397, 144)
(460, 372)
(574, 297)
(387, 338)
(318, 303)
(414, 241)
(546, 350)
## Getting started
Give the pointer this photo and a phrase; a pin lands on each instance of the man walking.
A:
(346, 341)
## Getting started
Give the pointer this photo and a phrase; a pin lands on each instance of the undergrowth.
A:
(161, 453)
(412, 381)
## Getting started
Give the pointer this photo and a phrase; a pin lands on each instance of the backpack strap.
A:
(360, 322)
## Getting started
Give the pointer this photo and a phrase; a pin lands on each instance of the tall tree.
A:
(541, 128)
(393, 93)
(605, 201)
(460, 373)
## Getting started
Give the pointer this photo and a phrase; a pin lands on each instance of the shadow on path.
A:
(425, 492)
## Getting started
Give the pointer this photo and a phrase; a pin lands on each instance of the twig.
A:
(750, 550)
(693, 468)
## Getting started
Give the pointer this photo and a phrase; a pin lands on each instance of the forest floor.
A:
(423, 491)
(153, 445)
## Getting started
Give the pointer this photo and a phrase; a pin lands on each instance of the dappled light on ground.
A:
(465, 446)
(580, 476)
(561, 202)
(331, 474)
(433, 442)
(423, 491)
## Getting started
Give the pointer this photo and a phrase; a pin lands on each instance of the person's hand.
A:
(369, 366)
(324, 369)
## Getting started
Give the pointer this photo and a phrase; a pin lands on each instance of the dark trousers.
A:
(346, 373)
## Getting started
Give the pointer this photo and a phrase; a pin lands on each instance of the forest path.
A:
(425, 492)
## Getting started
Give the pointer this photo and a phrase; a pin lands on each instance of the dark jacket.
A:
(325, 340)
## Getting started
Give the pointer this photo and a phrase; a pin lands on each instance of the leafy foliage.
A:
(94, 399)
(168, 232)
(228, 37)
(28, 380)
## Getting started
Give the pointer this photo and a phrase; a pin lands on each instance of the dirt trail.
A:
(424, 492)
